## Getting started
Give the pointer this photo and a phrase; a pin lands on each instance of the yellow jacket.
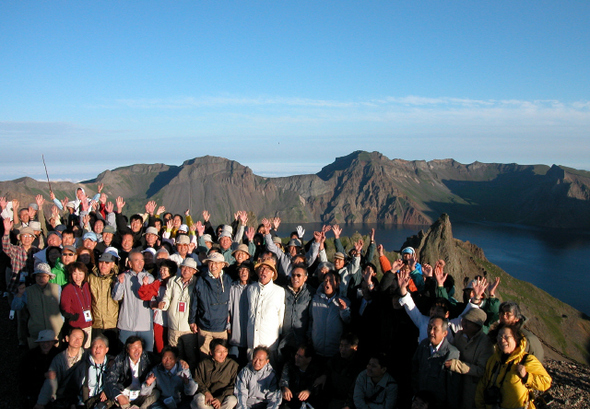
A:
(514, 390)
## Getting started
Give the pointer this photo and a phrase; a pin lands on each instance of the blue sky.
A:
(284, 87)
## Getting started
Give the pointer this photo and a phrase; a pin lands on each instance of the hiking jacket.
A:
(514, 390)
(475, 353)
(105, 310)
(210, 302)
(266, 312)
(327, 322)
(256, 387)
(177, 293)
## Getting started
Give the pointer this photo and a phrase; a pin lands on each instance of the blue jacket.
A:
(210, 303)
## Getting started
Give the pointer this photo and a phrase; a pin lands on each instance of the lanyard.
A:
(78, 296)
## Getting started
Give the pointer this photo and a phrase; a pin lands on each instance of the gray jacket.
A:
(257, 388)
(135, 314)
(429, 373)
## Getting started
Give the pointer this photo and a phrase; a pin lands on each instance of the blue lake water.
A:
(552, 259)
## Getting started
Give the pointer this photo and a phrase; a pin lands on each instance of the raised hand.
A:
(103, 198)
(276, 222)
(358, 247)
(380, 250)
(200, 228)
(120, 204)
(479, 287)
(317, 236)
(161, 210)
(397, 264)
(2, 202)
(109, 207)
(206, 216)
(326, 228)
(169, 225)
(40, 201)
(243, 217)
(52, 196)
(493, 286)
(65, 202)
(187, 212)
(84, 204)
(372, 235)
(403, 280)
(427, 270)
(337, 231)
(266, 224)
(440, 275)
(300, 232)
(100, 187)
(150, 207)
(250, 233)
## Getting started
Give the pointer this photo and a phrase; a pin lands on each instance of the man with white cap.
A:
(177, 301)
(42, 302)
(266, 306)
(182, 249)
(210, 302)
(150, 239)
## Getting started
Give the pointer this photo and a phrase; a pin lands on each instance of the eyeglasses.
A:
(505, 337)
(297, 275)
(68, 254)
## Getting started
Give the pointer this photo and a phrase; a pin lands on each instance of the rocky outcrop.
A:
(563, 329)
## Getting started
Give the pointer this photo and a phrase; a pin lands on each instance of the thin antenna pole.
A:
(47, 174)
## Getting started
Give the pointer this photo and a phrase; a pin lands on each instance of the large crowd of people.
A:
(158, 310)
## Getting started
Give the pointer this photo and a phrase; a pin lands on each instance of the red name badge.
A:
(181, 306)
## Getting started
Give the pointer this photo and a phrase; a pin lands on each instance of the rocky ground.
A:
(571, 381)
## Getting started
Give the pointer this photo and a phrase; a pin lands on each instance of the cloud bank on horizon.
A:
(286, 88)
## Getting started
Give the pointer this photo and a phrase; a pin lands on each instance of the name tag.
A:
(132, 394)
(181, 306)
(87, 316)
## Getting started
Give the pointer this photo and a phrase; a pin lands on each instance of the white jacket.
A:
(175, 294)
(266, 311)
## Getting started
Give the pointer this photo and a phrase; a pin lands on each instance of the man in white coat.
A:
(266, 309)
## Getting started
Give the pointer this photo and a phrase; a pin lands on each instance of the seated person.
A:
(257, 385)
(340, 374)
(374, 387)
(61, 369)
(36, 363)
(125, 376)
(297, 380)
(173, 379)
(216, 377)
(87, 385)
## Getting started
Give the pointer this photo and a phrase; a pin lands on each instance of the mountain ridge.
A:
(362, 187)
